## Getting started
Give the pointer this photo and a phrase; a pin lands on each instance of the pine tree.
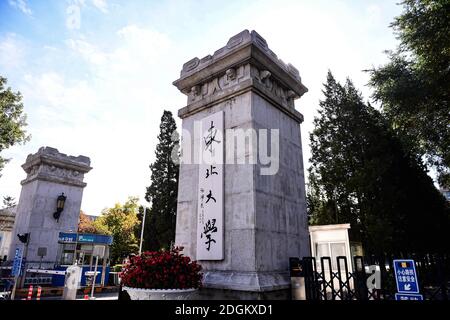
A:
(362, 174)
(413, 87)
(163, 190)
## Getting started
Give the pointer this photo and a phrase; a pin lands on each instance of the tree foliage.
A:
(414, 86)
(12, 120)
(120, 222)
(9, 202)
(163, 190)
(85, 224)
(362, 174)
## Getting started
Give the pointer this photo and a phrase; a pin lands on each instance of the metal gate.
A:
(372, 278)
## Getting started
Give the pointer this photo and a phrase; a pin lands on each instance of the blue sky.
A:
(96, 75)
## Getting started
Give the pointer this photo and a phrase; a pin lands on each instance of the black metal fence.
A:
(341, 279)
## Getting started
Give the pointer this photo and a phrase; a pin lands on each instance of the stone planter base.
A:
(160, 294)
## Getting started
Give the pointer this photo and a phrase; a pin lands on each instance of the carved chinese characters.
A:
(210, 226)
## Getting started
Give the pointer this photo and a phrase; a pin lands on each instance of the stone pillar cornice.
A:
(245, 64)
(242, 48)
(50, 165)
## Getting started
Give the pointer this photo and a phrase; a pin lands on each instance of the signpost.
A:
(98, 251)
(142, 230)
(16, 269)
(17, 264)
(42, 252)
(406, 279)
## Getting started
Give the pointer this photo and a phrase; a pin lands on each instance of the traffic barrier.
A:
(38, 296)
(30, 293)
(38, 280)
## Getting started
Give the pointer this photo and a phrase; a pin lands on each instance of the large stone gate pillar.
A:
(49, 174)
(244, 219)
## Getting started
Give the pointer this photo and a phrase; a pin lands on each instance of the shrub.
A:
(117, 268)
(162, 270)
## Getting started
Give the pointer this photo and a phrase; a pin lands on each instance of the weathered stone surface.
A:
(50, 165)
(7, 217)
(248, 46)
(246, 280)
(49, 173)
(249, 64)
(265, 215)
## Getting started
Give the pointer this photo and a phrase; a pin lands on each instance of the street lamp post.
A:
(142, 230)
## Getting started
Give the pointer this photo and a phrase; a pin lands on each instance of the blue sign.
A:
(406, 276)
(17, 264)
(408, 297)
(67, 237)
(85, 238)
(103, 239)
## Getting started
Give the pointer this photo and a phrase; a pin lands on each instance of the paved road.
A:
(98, 296)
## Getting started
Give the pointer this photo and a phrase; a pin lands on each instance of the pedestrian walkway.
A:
(98, 296)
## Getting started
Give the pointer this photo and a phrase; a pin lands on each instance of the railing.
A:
(372, 278)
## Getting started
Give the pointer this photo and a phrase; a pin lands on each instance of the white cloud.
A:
(21, 5)
(70, 101)
(137, 48)
(373, 13)
(128, 73)
(87, 50)
(111, 114)
(12, 52)
(101, 5)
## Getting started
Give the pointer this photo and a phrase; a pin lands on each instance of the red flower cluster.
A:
(162, 270)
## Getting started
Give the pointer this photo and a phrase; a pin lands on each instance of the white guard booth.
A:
(331, 241)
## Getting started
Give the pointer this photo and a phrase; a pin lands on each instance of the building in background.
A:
(7, 217)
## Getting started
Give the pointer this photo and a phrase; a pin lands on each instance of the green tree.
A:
(413, 87)
(320, 210)
(362, 174)
(120, 222)
(163, 190)
(12, 120)
(85, 224)
(8, 202)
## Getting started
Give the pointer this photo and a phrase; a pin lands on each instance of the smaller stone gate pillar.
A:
(49, 174)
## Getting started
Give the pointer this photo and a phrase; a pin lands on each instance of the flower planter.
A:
(160, 294)
(161, 269)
